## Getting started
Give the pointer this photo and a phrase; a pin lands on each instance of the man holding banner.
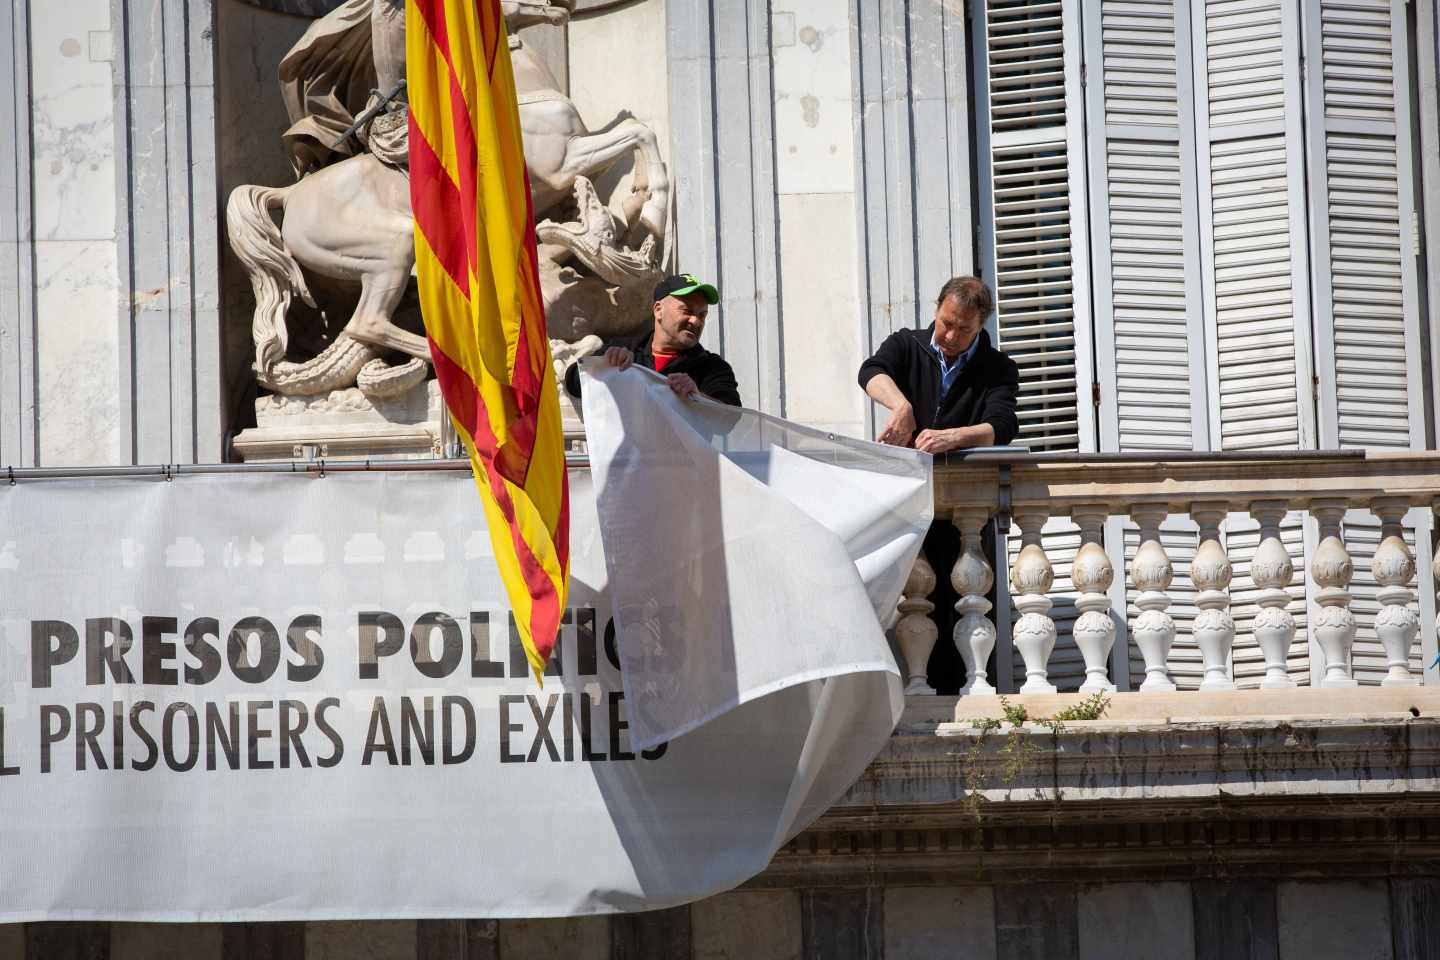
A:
(672, 347)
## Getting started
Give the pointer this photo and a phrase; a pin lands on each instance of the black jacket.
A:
(709, 370)
(983, 393)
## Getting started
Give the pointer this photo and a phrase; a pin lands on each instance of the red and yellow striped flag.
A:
(480, 295)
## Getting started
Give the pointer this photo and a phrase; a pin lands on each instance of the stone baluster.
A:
(1210, 571)
(1092, 573)
(1272, 571)
(916, 632)
(1152, 573)
(972, 578)
(1334, 624)
(1393, 566)
(1031, 577)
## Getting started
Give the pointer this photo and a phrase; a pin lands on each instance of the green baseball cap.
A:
(681, 284)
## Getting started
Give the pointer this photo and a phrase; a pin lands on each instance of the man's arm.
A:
(998, 423)
(900, 427)
(877, 379)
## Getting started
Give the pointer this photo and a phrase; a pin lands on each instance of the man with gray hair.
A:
(947, 388)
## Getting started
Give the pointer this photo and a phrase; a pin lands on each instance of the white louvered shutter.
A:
(1033, 224)
(1367, 313)
(1149, 332)
(1250, 155)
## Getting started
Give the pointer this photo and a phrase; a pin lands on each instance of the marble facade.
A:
(780, 122)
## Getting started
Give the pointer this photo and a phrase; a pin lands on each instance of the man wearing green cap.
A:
(672, 347)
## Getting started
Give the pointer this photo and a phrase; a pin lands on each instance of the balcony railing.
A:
(1210, 571)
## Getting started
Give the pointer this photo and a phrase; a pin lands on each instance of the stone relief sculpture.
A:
(346, 222)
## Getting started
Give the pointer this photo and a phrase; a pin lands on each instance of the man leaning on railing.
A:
(947, 388)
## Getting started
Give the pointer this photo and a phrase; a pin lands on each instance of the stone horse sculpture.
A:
(349, 219)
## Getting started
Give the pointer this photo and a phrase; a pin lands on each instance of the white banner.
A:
(266, 696)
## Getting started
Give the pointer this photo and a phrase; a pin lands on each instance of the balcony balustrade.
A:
(1312, 510)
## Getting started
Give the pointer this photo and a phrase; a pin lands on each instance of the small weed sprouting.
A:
(1019, 748)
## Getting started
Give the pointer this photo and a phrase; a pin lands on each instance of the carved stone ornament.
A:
(344, 244)
(1393, 567)
(1272, 570)
(972, 577)
(1033, 634)
(1334, 625)
(1092, 573)
(916, 633)
(1152, 573)
(1214, 630)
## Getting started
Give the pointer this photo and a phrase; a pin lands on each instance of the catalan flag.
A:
(479, 289)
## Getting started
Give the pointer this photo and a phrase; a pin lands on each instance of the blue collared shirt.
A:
(950, 369)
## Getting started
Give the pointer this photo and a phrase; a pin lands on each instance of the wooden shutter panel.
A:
(1032, 217)
(1367, 312)
(1149, 333)
(1252, 223)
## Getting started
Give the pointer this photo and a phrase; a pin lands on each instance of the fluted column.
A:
(1210, 570)
(1393, 566)
(1031, 577)
(1092, 574)
(972, 578)
(1272, 571)
(1334, 625)
(1152, 573)
(916, 632)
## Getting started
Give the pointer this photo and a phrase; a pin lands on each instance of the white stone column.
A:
(1393, 567)
(916, 632)
(1092, 574)
(1152, 573)
(1334, 625)
(1210, 571)
(1272, 570)
(1031, 577)
(972, 578)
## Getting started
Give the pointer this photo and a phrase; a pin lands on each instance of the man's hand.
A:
(939, 441)
(619, 357)
(900, 427)
(682, 384)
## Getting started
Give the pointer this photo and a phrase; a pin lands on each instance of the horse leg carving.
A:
(380, 294)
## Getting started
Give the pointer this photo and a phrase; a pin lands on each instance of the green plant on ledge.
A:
(1019, 749)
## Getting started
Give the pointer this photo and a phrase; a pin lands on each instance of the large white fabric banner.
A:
(269, 696)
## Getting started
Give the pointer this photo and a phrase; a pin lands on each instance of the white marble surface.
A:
(73, 118)
(1118, 920)
(618, 62)
(815, 183)
(76, 339)
(1333, 921)
(814, 104)
(821, 312)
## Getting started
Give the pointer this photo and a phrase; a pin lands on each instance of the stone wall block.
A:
(922, 923)
(575, 938)
(68, 941)
(166, 941)
(654, 935)
(843, 924)
(1235, 920)
(1414, 910)
(747, 925)
(1036, 922)
(1152, 920)
(1334, 921)
(368, 940)
(457, 940)
(263, 941)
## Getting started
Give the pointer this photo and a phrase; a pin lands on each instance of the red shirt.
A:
(663, 360)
